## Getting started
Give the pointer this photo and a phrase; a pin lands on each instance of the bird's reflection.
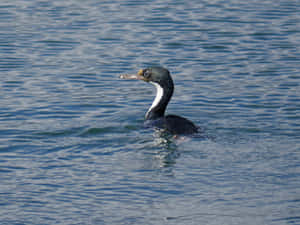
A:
(168, 149)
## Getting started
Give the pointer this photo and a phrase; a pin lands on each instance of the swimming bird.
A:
(155, 116)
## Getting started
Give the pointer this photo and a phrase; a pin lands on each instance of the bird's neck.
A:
(159, 105)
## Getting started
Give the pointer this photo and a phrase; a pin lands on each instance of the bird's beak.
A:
(137, 76)
(130, 76)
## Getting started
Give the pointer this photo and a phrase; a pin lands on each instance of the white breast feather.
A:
(159, 95)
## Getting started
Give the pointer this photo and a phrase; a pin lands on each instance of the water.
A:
(72, 146)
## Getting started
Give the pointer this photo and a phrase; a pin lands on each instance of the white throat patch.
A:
(159, 95)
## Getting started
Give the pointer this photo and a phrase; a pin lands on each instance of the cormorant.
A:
(162, 80)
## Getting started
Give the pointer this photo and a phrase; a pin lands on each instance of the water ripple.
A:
(72, 142)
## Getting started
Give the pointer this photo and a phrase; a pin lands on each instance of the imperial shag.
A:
(162, 80)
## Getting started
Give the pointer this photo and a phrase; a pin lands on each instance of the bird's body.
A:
(155, 116)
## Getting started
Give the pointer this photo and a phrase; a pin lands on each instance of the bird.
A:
(161, 78)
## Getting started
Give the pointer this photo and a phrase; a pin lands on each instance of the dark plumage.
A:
(161, 78)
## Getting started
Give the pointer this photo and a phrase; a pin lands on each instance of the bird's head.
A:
(158, 75)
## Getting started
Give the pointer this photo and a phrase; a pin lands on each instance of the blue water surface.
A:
(73, 149)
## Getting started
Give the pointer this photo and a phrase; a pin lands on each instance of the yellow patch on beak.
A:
(140, 73)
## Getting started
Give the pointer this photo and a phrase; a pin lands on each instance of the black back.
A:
(179, 125)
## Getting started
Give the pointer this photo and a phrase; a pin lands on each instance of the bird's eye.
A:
(147, 74)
